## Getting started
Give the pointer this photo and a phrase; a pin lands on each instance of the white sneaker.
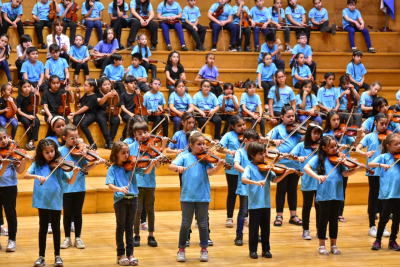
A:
(203, 255)
(66, 244)
(181, 257)
(386, 232)
(144, 226)
(372, 231)
(72, 227)
(246, 221)
(229, 223)
(49, 230)
(306, 235)
(288, 48)
(4, 230)
(79, 243)
(11, 246)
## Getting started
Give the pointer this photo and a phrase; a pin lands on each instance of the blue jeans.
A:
(244, 203)
(4, 66)
(177, 122)
(89, 27)
(352, 30)
(257, 35)
(14, 124)
(230, 27)
(188, 209)
(316, 119)
(178, 27)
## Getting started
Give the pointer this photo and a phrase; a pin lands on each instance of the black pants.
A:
(135, 26)
(151, 67)
(18, 64)
(259, 219)
(156, 120)
(88, 120)
(306, 30)
(39, 29)
(328, 213)
(73, 204)
(287, 185)
(232, 181)
(198, 36)
(101, 119)
(286, 31)
(20, 28)
(355, 120)
(308, 197)
(102, 64)
(323, 25)
(374, 204)
(262, 125)
(345, 179)
(50, 132)
(8, 198)
(266, 86)
(125, 214)
(146, 199)
(247, 33)
(227, 119)
(314, 87)
(78, 67)
(72, 26)
(65, 56)
(389, 206)
(118, 24)
(46, 217)
(216, 90)
(33, 133)
(125, 118)
(357, 87)
(217, 123)
(119, 87)
(143, 86)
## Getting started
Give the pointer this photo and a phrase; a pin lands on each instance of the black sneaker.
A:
(325, 29)
(121, 47)
(266, 254)
(259, 239)
(200, 48)
(188, 243)
(239, 48)
(391, 217)
(44, 46)
(247, 49)
(184, 48)
(393, 245)
(210, 243)
(136, 241)
(110, 145)
(169, 48)
(151, 241)
(333, 29)
(233, 49)
(58, 261)
(153, 48)
(253, 255)
(239, 240)
(130, 46)
(214, 48)
(377, 245)
(257, 49)
(106, 145)
(40, 262)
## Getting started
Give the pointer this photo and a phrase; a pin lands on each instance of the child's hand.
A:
(41, 179)
(49, 118)
(67, 88)
(301, 159)
(321, 178)
(278, 142)
(211, 113)
(274, 121)
(232, 153)
(370, 154)
(124, 190)
(179, 151)
(278, 26)
(137, 91)
(261, 183)
(164, 141)
(202, 113)
(31, 117)
(76, 170)
(6, 162)
(220, 162)
(181, 169)
(385, 166)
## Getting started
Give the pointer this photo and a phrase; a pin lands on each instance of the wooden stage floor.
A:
(287, 246)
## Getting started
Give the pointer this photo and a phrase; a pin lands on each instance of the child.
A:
(388, 191)
(116, 72)
(265, 74)
(259, 14)
(40, 15)
(5, 50)
(307, 101)
(57, 125)
(210, 72)
(8, 189)
(27, 118)
(170, 12)
(126, 102)
(296, 16)
(12, 13)
(329, 200)
(33, 69)
(6, 100)
(222, 22)
(56, 66)
(259, 191)
(230, 142)
(279, 96)
(304, 48)
(139, 11)
(274, 47)
(48, 195)
(179, 102)
(195, 193)
(228, 103)
(187, 124)
(174, 71)
(92, 11)
(204, 100)
(237, 13)
(65, 8)
(301, 72)
(144, 50)
(353, 22)
(118, 10)
(328, 96)
(139, 72)
(190, 22)
(131, 136)
(241, 161)
(367, 99)
(309, 185)
(249, 103)
(380, 105)
(22, 56)
(318, 17)
(79, 55)
(356, 71)
(278, 17)
(104, 49)
(57, 37)
(346, 89)
(289, 185)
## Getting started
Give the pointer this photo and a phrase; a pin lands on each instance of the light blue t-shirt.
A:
(389, 181)
(205, 103)
(139, 72)
(42, 10)
(307, 51)
(275, 16)
(243, 159)
(57, 67)
(351, 15)
(141, 13)
(347, 140)
(230, 141)
(207, 73)
(143, 180)
(97, 7)
(356, 71)
(310, 103)
(397, 98)
(117, 176)
(169, 10)
(80, 182)
(129, 140)
(307, 182)
(142, 50)
(229, 105)
(285, 96)
(12, 13)
(180, 103)
(33, 72)
(260, 16)
(55, 139)
(343, 101)
(303, 72)
(318, 15)
(152, 101)
(267, 72)
(227, 11)
(371, 141)
(369, 125)
(296, 14)
(264, 49)
(111, 11)
(48, 196)
(328, 97)
(104, 47)
(251, 102)
(114, 73)
(191, 14)
(79, 53)
(365, 100)
(9, 177)
(259, 197)
(236, 19)
(181, 142)
(195, 182)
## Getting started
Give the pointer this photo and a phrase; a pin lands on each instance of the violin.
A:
(264, 115)
(219, 10)
(171, 21)
(394, 116)
(142, 163)
(52, 13)
(65, 108)
(158, 112)
(154, 151)
(12, 161)
(66, 166)
(11, 150)
(231, 112)
(153, 61)
(276, 168)
(113, 107)
(71, 15)
(308, 113)
(382, 136)
(184, 82)
(34, 104)
(212, 159)
(214, 82)
(259, 24)
(350, 101)
(239, 84)
(11, 112)
(244, 19)
(28, 23)
(290, 128)
(139, 108)
(158, 139)
(350, 163)
(77, 97)
(342, 130)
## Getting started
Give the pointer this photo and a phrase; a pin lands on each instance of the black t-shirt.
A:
(126, 99)
(23, 102)
(103, 107)
(3, 103)
(90, 102)
(175, 75)
(53, 100)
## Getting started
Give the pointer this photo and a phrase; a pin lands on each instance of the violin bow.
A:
(90, 147)
(385, 138)
(209, 118)
(344, 157)
(17, 143)
(209, 152)
(134, 167)
(312, 153)
(295, 130)
(394, 163)
(9, 122)
(347, 123)
(79, 123)
(269, 171)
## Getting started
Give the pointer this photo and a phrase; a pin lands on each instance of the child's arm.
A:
(73, 59)
(351, 79)
(11, 100)
(167, 74)
(47, 74)
(366, 109)
(199, 78)
(299, 78)
(323, 107)
(33, 176)
(214, 110)
(355, 93)
(40, 82)
(362, 80)
(235, 103)
(46, 109)
(22, 114)
(124, 190)
(293, 104)
(175, 168)
(337, 104)
(127, 111)
(259, 80)
(362, 153)
(307, 169)
(67, 77)
(141, 79)
(21, 168)
(277, 179)
(65, 11)
(173, 109)
(303, 102)
(191, 107)
(72, 180)
(93, 165)
(248, 181)
(215, 169)
(238, 167)
(351, 172)
(68, 90)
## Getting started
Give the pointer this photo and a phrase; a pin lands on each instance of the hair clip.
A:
(315, 125)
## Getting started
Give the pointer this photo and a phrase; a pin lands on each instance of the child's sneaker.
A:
(58, 262)
(188, 243)
(377, 245)
(306, 235)
(210, 243)
(72, 227)
(4, 230)
(49, 230)
(246, 221)
(371, 50)
(12, 246)
(229, 223)
(372, 231)
(181, 256)
(67, 243)
(214, 48)
(353, 49)
(386, 232)
(239, 240)
(144, 226)
(203, 255)
(79, 243)
(232, 48)
(393, 245)
(136, 241)
(39, 262)
(151, 241)
(266, 254)
(288, 48)
(253, 255)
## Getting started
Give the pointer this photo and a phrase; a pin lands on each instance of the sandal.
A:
(278, 222)
(335, 250)
(122, 260)
(133, 261)
(229, 223)
(30, 146)
(322, 250)
(342, 219)
(299, 222)
(4, 230)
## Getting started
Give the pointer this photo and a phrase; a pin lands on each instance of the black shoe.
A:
(214, 48)
(153, 48)
(257, 49)
(94, 147)
(391, 217)
(106, 145)
(239, 240)
(239, 48)
(110, 145)
(210, 243)
(58, 261)
(247, 49)
(136, 241)
(130, 46)
(200, 48)
(253, 255)
(232, 48)
(184, 48)
(169, 48)
(259, 239)
(121, 47)
(151, 241)
(326, 29)
(89, 47)
(333, 29)
(266, 254)
(44, 46)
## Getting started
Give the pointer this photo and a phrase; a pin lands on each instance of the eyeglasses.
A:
(74, 138)
(157, 84)
(280, 77)
(303, 37)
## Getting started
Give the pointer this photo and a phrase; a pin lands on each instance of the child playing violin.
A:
(241, 11)
(187, 124)
(210, 72)
(380, 106)
(8, 109)
(328, 96)
(329, 201)
(130, 139)
(367, 100)
(348, 93)
(127, 102)
(229, 104)
(250, 102)
(139, 72)
(307, 101)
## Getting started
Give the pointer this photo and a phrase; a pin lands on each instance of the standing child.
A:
(92, 12)
(273, 46)
(118, 10)
(56, 66)
(259, 16)
(277, 18)
(47, 197)
(139, 72)
(250, 102)
(174, 71)
(132, 121)
(57, 37)
(65, 8)
(187, 124)
(7, 104)
(190, 22)
(328, 96)
(79, 55)
(40, 15)
(356, 71)
(22, 56)
(210, 72)
(229, 104)
(179, 102)
(57, 125)
(238, 11)
(126, 102)
(265, 74)
(304, 48)
(307, 101)
(116, 72)
(5, 50)
(32, 69)
(347, 90)
(144, 50)
(296, 16)
(12, 14)
(318, 17)
(301, 72)
(104, 49)
(367, 100)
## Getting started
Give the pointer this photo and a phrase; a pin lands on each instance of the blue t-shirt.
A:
(56, 67)
(97, 7)
(236, 19)
(142, 50)
(9, 177)
(309, 102)
(264, 49)
(303, 72)
(260, 16)
(229, 105)
(389, 181)
(347, 140)
(318, 15)
(12, 13)
(152, 101)
(33, 72)
(267, 72)
(205, 103)
(355, 15)
(369, 125)
(111, 10)
(371, 141)
(285, 96)
(251, 102)
(191, 14)
(243, 159)
(129, 140)
(195, 182)
(55, 139)
(141, 13)
(207, 73)
(114, 73)
(343, 101)
(169, 10)
(307, 51)
(397, 98)
(181, 142)
(307, 182)
(230, 141)
(143, 180)
(180, 103)
(275, 16)
(259, 197)
(80, 182)
(365, 100)
(356, 71)
(328, 97)
(42, 10)
(139, 72)
(117, 176)
(48, 196)
(104, 47)
(79, 53)
(296, 14)
(228, 10)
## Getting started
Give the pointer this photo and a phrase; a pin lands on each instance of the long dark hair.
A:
(308, 139)
(7, 49)
(292, 7)
(330, 114)
(234, 120)
(296, 57)
(121, 7)
(146, 48)
(277, 94)
(144, 6)
(376, 105)
(105, 33)
(324, 141)
(39, 158)
(305, 82)
(169, 62)
(326, 76)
